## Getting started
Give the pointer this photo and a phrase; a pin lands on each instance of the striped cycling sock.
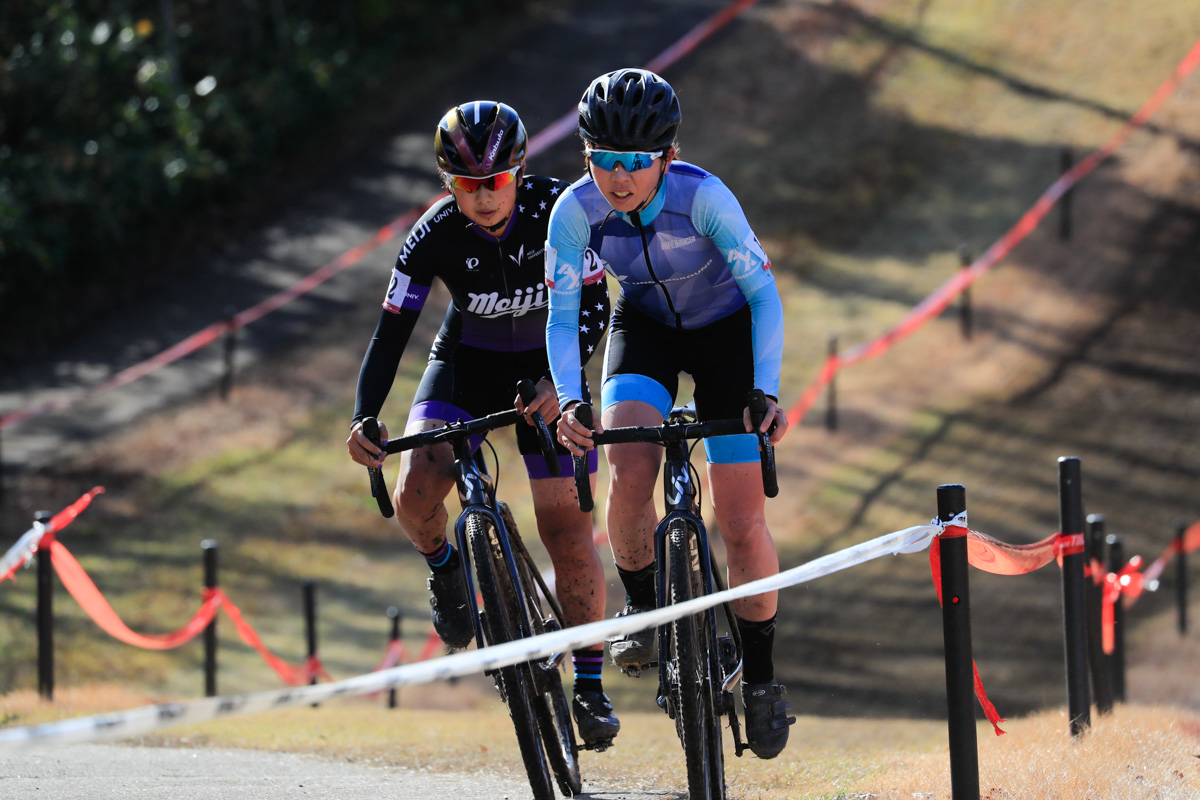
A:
(588, 665)
(442, 560)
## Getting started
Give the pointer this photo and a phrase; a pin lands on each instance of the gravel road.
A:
(115, 772)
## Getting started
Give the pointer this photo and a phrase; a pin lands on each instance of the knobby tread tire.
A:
(551, 706)
(691, 645)
(500, 625)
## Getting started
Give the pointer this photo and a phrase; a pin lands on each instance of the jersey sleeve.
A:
(378, 369)
(717, 214)
(407, 291)
(567, 240)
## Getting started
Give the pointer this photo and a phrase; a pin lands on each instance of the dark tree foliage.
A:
(118, 118)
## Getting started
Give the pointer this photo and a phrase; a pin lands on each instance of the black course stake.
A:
(1116, 560)
(45, 614)
(309, 591)
(1066, 162)
(831, 420)
(956, 630)
(394, 615)
(964, 308)
(1181, 587)
(1070, 526)
(209, 546)
(1097, 563)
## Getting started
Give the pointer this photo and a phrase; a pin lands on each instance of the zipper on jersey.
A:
(637, 219)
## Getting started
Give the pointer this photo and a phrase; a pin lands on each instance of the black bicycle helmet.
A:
(630, 109)
(480, 138)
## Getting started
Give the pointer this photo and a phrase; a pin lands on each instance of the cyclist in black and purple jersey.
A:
(485, 242)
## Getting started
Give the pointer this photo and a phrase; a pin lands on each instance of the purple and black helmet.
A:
(629, 109)
(479, 139)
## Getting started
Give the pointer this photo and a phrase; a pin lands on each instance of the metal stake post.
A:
(394, 614)
(209, 546)
(956, 631)
(45, 613)
(1097, 566)
(1070, 525)
(1181, 577)
(1116, 560)
(831, 420)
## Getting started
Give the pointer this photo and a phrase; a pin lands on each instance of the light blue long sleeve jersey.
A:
(687, 260)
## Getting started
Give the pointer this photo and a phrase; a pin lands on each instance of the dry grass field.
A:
(868, 143)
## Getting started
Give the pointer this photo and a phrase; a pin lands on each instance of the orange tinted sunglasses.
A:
(492, 183)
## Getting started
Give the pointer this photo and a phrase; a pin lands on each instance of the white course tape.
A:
(148, 718)
(25, 547)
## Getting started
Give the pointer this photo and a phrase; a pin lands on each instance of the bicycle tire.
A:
(515, 682)
(692, 651)
(550, 706)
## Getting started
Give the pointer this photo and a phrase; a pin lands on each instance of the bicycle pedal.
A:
(635, 671)
(599, 746)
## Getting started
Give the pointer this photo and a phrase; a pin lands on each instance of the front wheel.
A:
(692, 670)
(515, 682)
(550, 704)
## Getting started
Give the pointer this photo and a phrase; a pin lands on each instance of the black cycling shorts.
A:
(644, 358)
(475, 383)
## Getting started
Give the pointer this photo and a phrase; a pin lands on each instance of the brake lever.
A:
(379, 490)
(528, 393)
(583, 483)
(757, 403)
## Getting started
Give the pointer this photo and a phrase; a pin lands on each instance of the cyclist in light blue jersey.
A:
(697, 296)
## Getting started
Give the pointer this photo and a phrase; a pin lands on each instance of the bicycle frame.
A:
(477, 494)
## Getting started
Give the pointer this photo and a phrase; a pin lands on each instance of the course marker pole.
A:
(1098, 566)
(394, 613)
(1116, 561)
(960, 664)
(1071, 542)
(45, 609)
(1181, 577)
(209, 546)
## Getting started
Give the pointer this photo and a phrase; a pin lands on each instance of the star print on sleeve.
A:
(584, 329)
(599, 306)
(591, 349)
(528, 184)
(542, 206)
(585, 313)
(602, 325)
(553, 190)
(521, 208)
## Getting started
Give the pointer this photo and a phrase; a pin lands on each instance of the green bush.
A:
(120, 119)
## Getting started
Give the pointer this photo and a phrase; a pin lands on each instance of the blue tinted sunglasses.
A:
(630, 162)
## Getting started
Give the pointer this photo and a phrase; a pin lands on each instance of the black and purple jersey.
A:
(499, 299)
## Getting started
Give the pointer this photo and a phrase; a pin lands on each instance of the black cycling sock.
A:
(442, 560)
(758, 642)
(588, 666)
(639, 585)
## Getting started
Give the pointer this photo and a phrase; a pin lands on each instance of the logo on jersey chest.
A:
(492, 304)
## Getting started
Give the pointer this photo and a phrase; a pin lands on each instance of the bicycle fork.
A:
(681, 503)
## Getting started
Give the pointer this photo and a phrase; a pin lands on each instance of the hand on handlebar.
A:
(545, 403)
(363, 450)
(574, 435)
(775, 421)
